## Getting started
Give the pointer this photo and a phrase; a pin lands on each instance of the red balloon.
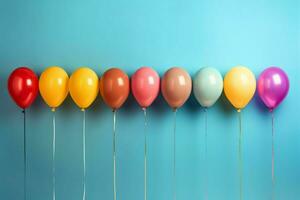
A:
(23, 86)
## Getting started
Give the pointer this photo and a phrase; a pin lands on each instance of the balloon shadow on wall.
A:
(67, 106)
(260, 105)
(130, 105)
(160, 106)
(5, 100)
(160, 110)
(225, 106)
(97, 108)
(38, 106)
(192, 105)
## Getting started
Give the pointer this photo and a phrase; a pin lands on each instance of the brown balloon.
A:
(176, 87)
(114, 87)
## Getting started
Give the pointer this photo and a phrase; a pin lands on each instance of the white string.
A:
(84, 159)
(206, 159)
(25, 156)
(145, 153)
(273, 158)
(53, 157)
(114, 155)
(240, 155)
(174, 156)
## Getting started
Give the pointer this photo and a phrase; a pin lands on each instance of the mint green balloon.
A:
(207, 86)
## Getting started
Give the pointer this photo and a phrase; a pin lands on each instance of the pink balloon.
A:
(273, 86)
(145, 86)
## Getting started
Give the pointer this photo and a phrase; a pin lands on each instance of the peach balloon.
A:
(176, 87)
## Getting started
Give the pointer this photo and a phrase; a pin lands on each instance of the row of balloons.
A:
(176, 85)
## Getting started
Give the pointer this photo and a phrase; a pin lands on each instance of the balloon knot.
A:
(53, 109)
(238, 110)
(82, 109)
(271, 110)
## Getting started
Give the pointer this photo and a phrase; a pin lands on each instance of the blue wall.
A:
(161, 34)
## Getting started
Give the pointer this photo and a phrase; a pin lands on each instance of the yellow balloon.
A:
(239, 86)
(53, 86)
(83, 86)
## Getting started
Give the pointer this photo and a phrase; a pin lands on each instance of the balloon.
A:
(207, 86)
(114, 87)
(145, 86)
(53, 84)
(23, 86)
(239, 86)
(176, 87)
(83, 86)
(273, 86)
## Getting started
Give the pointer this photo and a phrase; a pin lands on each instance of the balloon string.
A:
(84, 159)
(53, 157)
(174, 155)
(25, 156)
(145, 153)
(240, 156)
(273, 158)
(206, 156)
(114, 155)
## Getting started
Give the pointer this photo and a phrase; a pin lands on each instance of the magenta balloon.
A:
(145, 86)
(273, 86)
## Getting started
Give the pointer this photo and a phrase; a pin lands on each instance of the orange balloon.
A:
(176, 87)
(114, 87)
